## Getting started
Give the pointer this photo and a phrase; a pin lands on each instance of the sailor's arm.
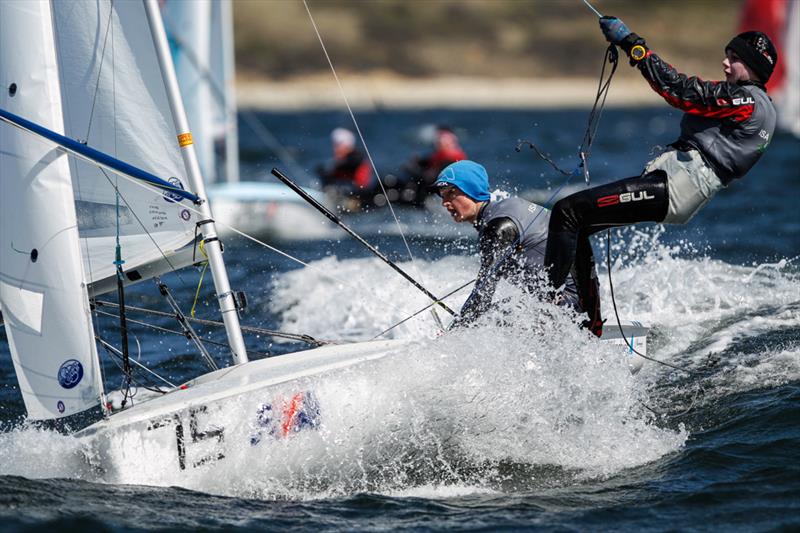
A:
(495, 241)
(690, 94)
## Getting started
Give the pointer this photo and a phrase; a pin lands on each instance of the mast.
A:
(207, 227)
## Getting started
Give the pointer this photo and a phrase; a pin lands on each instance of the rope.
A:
(612, 57)
(360, 136)
(250, 329)
(116, 352)
(247, 236)
(202, 274)
(584, 151)
(619, 323)
(180, 333)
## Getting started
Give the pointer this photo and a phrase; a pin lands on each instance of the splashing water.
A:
(535, 403)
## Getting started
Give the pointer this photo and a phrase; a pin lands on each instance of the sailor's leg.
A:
(640, 199)
(585, 275)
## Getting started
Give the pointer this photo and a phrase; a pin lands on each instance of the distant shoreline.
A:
(387, 92)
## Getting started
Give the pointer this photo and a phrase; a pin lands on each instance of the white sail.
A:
(188, 26)
(42, 289)
(114, 100)
(223, 68)
(201, 41)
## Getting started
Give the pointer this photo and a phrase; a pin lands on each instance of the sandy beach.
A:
(386, 92)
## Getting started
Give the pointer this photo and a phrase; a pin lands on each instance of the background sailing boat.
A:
(201, 40)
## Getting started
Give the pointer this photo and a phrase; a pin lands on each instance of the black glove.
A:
(595, 326)
(614, 30)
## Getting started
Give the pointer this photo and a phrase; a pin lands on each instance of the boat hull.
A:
(246, 414)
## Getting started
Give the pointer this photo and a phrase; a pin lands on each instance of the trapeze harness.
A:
(724, 131)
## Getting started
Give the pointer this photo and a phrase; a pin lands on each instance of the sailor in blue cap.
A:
(512, 236)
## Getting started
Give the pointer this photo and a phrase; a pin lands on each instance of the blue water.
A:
(721, 293)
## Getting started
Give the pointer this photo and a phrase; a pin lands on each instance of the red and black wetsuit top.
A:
(730, 124)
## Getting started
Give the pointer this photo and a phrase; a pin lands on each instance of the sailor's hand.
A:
(614, 30)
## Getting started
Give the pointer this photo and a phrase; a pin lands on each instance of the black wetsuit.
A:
(512, 235)
(729, 125)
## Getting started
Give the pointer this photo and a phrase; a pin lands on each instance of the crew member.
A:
(512, 235)
(425, 170)
(726, 128)
(349, 173)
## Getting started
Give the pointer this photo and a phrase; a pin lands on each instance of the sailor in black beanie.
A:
(726, 127)
(756, 51)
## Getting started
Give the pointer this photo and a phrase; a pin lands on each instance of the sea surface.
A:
(528, 425)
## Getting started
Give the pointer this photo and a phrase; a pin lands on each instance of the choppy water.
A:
(532, 425)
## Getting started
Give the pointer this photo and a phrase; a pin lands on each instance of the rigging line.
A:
(596, 113)
(406, 319)
(149, 235)
(434, 303)
(126, 363)
(596, 12)
(180, 333)
(250, 329)
(360, 136)
(592, 124)
(191, 334)
(127, 377)
(192, 209)
(100, 69)
(116, 352)
(308, 265)
(619, 323)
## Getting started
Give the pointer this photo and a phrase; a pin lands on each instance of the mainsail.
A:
(87, 70)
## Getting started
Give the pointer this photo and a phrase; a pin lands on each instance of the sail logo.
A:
(285, 416)
(70, 373)
(624, 198)
(172, 197)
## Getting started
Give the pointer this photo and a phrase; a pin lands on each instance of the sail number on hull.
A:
(195, 437)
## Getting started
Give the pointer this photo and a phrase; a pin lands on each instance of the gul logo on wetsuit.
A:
(624, 198)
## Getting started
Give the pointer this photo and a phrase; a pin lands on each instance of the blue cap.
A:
(468, 176)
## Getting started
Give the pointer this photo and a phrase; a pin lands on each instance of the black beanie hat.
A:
(756, 51)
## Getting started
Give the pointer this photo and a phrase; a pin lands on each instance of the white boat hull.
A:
(267, 211)
(234, 415)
